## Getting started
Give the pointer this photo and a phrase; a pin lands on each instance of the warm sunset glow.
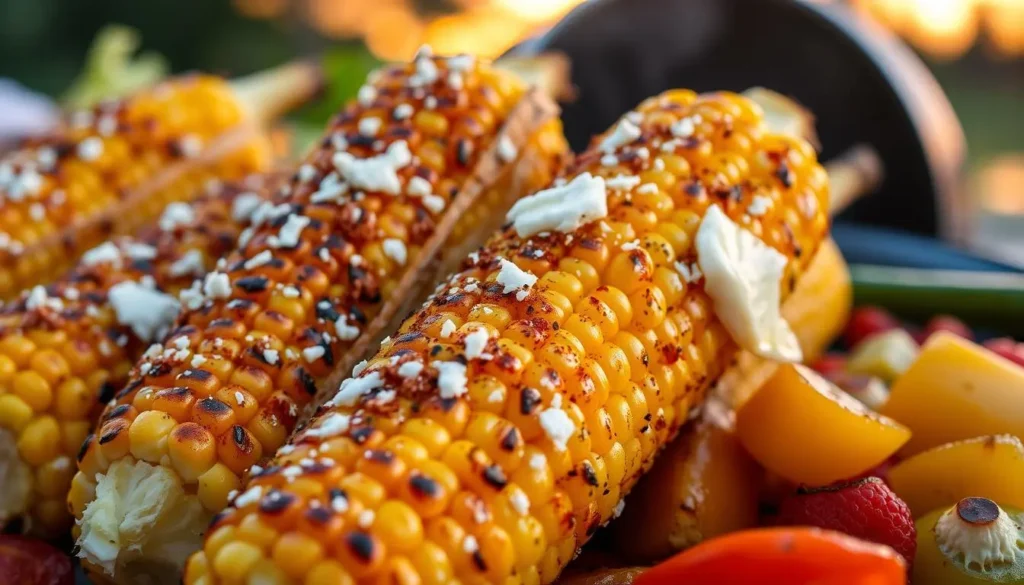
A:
(538, 10)
(394, 32)
(486, 32)
(392, 29)
(945, 28)
(1004, 25)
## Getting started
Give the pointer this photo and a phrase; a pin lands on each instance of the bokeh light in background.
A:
(392, 29)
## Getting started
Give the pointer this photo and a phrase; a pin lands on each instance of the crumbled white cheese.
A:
(617, 510)
(557, 424)
(538, 461)
(690, 272)
(426, 71)
(418, 187)
(624, 133)
(630, 246)
(741, 275)
(331, 425)
(434, 203)
(410, 369)
(402, 112)
(90, 149)
(272, 356)
(217, 285)
(306, 173)
(176, 214)
(514, 278)
(506, 149)
(451, 379)
(339, 503)
(685, 127)
(107, 252)
(344, 330)
(476, 341)
(369, 126)
(564, 209)
(37, 212)
(313, 353)
(358, 368)
(447, 328)
(759, 205)
(461, 63)
(378, 173)
(648, 189)
(352, 389)
(147, 312)
(623, 182)
(366, 518)
(258, 260)
(288, 237)
(197, 361)
(139, 251)
(366, 95)
(520, 502)
(395, 249)
(189, 264)
(244, 205)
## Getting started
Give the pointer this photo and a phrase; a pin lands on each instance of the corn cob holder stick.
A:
(66, 348)
(423, 157)
(112, 169)
(505, 420)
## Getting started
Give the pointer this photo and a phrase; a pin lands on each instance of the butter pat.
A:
(741, 275)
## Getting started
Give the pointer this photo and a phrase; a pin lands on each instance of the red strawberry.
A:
(866, 321)
(864, 508)
(946, 323)
(1008, 348)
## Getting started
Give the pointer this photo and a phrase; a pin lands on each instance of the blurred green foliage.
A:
(112, 70)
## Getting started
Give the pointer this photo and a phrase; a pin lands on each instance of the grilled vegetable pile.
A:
(441, 350)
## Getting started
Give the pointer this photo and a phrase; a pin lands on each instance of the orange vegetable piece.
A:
(800, 426)
(769, 556)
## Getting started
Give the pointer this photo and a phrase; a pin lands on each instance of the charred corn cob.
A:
(427, 152)
(65, 349)
(111, 169)
(503, 422)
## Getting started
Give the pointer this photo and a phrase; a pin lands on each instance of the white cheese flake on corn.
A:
(741, 275)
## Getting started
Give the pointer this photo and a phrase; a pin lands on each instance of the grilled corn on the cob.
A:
(65, 349)
(503, 423)
(427, 153)
(111, 169)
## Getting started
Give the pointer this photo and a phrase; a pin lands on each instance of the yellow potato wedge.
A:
(957, 390)
(990, 467)
(805, 429)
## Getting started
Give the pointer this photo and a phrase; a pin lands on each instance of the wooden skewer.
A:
(268, 94)
(853, 174)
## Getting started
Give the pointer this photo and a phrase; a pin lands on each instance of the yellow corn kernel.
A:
(235, 559)
(14, 412)
(39, 441)
(215, 485)
(192, 450)
(33, 389)
(149, 434)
